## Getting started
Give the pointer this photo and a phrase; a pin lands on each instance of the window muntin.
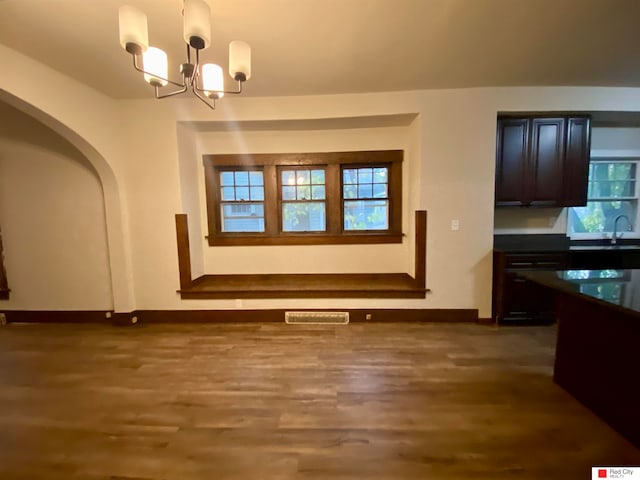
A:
(302, 193)
(365, 195)
(613, 191)
(325, 201)
(242, 201)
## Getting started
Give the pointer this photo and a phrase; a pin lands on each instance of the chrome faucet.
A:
(614, 236)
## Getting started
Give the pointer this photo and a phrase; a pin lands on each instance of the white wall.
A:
(53, 220)
(307, 259)
(94, 124)
(615, 141)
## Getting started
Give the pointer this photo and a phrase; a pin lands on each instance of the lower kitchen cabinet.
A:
(517, 300)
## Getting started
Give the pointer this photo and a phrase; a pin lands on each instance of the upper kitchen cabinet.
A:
(542, 161)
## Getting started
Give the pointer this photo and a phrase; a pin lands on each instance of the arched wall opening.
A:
(55, 180)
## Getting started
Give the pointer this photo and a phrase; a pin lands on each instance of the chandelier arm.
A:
(196, 72)
(193, 77)
(170, 94)
(233, 92)
(205, 100)
(138, 68)
(236, 92)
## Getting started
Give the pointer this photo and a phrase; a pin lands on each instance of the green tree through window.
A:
(612, 192)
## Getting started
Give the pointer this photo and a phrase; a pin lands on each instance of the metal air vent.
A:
(327, 318)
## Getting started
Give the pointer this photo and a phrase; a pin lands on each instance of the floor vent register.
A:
(309, 318)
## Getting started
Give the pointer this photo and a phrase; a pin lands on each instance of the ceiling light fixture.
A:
(197, 35)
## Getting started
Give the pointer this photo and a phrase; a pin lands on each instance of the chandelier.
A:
(205, 81)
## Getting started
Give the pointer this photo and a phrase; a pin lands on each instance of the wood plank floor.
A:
(271, 401)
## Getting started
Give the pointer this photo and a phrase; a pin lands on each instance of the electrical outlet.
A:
(367, 316)
(107, 314)
(3, 319)
(134, 320)
(455, 224)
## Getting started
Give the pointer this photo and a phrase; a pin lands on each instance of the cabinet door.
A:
(511, 160)
(546, 163)
(576, 163)
(526, 301)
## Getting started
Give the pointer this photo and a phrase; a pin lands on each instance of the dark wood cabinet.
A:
(511, 160)
(576, 161)
(542, 161)
(517, 300)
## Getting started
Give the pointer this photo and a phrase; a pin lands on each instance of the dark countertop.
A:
(617, 289)
(557, 243)
(590, 248)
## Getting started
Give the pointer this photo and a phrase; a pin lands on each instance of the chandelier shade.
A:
(212, 80)
(155, 62)
(197, 23)
(133, 29)
(239, 60)
(206, 81)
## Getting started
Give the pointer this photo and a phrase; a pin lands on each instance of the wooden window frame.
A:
(219, 197)
(282, 201)
(345, 200)
(333, 163)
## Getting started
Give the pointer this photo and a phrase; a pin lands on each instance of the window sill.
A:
(356, 285)
(304, 239)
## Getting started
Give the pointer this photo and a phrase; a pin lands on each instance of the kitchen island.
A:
(598, 347)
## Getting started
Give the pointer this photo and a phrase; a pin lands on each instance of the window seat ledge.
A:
(343, 285)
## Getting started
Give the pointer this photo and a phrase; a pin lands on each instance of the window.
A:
(613, 191)
(242, 201)
(304, 198)
(365, 197)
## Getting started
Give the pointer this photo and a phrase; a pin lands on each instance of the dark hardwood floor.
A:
(271, 401)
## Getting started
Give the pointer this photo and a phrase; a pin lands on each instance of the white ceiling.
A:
(340, 46)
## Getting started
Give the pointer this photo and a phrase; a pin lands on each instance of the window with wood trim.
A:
(365, 198)
(304, 198)
(241, 200)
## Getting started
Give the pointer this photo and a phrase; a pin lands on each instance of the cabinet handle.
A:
(520, 280)
(522, 264)
(549, 264)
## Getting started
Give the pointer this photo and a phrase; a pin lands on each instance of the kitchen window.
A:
(612, 193)
(304, 198)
